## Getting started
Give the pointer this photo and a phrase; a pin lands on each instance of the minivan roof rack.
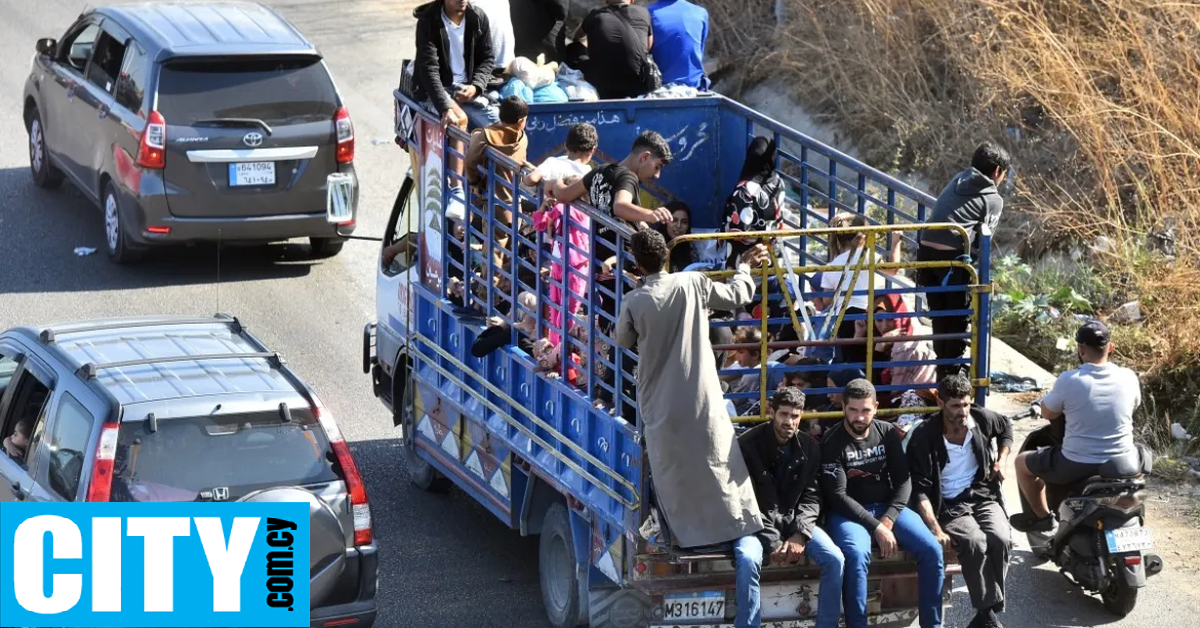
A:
(89, 370)
(47, 335)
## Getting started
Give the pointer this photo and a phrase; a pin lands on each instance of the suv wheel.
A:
(325, 247)
(45, 175)
(116, 243)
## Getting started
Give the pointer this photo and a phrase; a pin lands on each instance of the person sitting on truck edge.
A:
(703, 489)
(454, 63)
(1096, 401)
(784, 463)
(866, 483)
(536, 26)
(970, 199)
(508, 138)
(956, 482)
(499, 16)
(619, 40)
(680, 33)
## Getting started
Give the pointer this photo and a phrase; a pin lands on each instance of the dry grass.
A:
(1097, 100)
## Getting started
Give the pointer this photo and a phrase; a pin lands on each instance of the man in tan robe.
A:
(702, 486)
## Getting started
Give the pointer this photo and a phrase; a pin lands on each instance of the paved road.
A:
(445, 561)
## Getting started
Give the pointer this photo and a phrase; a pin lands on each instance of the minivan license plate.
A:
(1124, 540)
(252, 173)
(699, 605)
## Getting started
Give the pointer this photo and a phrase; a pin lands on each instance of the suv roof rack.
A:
(48, 335)
(89, 370)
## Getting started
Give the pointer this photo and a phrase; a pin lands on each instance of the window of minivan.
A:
(225, 455)
(274, 90)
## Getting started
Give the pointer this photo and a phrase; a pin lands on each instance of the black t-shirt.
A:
(860, 473)
(615, 62)
(602, 185)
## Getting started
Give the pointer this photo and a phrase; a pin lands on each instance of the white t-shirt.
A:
(1098, 401)
(831, 279)
(960, 468)
(500, 22)
(458, 61)
(558, 168)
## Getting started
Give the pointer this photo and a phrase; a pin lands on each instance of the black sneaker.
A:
(1026, 522)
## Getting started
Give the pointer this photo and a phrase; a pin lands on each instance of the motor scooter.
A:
(1101, 544)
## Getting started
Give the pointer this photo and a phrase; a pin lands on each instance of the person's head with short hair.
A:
(839, 378)
(582, 141)
(992, 160)
(649, 155)
(1094, 342)
(649, 249)
(954, 398)
(514, 112)
(21, 432)
(787, 411)
(859, 405)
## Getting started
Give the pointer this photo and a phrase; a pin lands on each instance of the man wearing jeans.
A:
(866, 484)
(784, 463)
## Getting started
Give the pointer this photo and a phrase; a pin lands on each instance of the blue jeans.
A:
(478, 116)
(913, 536)
(748, 557)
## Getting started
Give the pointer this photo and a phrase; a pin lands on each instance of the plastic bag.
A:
(531, 73)
(550, 93)
(517, 87)
(576, 87)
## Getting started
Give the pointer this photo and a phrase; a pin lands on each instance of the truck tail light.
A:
(345, 136)
(152, 149)
(100, 485)
(359, 506)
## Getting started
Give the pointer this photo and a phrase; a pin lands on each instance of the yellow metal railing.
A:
(865, 263)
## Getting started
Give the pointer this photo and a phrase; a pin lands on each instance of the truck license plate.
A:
(700, 605)
(252, 173)
(1128, 540)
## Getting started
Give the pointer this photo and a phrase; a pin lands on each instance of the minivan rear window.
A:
(221, 457)
(274, 90)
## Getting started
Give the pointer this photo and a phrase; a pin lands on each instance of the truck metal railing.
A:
(820, 329)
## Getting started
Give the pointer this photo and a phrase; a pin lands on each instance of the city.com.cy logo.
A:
(70, 565)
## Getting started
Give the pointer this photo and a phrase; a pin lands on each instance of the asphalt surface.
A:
(445, 561)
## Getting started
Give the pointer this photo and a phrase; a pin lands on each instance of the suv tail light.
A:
(152, 149)
(359, 507)
(100, 485)
(345, 136)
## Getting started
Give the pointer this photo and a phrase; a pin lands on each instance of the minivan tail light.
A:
(359, 506)
(100, 486)
(152, 149)
(345, 136)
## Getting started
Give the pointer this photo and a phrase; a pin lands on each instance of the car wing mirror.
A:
(46, 46)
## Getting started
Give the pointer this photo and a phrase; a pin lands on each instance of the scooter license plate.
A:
(1124, 540)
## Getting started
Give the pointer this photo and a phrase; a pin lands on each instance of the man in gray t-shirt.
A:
(1097, 400)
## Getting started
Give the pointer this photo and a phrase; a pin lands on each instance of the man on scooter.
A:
(956, 482)
(1096, 401)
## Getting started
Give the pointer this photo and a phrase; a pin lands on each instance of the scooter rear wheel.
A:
(1120, 597)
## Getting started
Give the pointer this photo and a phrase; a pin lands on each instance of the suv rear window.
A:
(228, 456)
(272, 90)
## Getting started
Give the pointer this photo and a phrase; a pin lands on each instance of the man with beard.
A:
(957, 480)
(784, 463)
(866, 484)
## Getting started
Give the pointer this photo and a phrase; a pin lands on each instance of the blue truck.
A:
(556, 450)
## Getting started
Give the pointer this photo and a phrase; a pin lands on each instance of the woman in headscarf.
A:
(756, 203)
(920, 375)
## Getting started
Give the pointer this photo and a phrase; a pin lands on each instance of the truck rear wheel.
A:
(420, 472)
(556, 565)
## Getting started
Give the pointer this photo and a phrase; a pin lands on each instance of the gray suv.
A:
(174, 409)
(193, 123)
